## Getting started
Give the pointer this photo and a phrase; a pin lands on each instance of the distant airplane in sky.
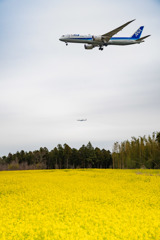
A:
(81, 120)
(105, 39)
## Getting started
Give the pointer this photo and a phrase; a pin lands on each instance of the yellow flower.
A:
(91, 204)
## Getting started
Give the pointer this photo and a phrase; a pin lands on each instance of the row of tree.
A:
(142, 152)
(59, 158)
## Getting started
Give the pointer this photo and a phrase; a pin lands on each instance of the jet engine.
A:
(88, 46)
(97, 38)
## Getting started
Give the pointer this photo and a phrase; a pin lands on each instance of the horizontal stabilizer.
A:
(141, 39)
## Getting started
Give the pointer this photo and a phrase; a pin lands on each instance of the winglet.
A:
(132, 20)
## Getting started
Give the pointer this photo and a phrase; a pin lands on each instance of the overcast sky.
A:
(45, 86)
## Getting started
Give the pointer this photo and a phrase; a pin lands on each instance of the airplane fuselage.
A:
(89, 39)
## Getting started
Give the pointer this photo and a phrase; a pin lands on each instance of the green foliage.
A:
(61, 157)
(140, 152)
(13, 166)
(158, 137)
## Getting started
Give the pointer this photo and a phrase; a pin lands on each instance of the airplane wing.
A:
(108, 35)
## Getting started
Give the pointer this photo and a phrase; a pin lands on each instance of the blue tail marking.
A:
(138, 33)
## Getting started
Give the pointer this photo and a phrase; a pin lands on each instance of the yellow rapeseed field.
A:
(80, 204)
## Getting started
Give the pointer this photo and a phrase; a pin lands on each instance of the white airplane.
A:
(105, 39)
(81, 120)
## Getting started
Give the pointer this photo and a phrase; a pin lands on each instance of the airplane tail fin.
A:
(138, 33)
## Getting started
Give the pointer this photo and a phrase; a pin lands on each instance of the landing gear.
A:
(101, 48)
(66, 44)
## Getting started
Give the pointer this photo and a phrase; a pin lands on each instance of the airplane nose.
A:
(61, 38)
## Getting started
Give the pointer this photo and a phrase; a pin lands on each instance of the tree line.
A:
(141, 152)
(60, 157)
